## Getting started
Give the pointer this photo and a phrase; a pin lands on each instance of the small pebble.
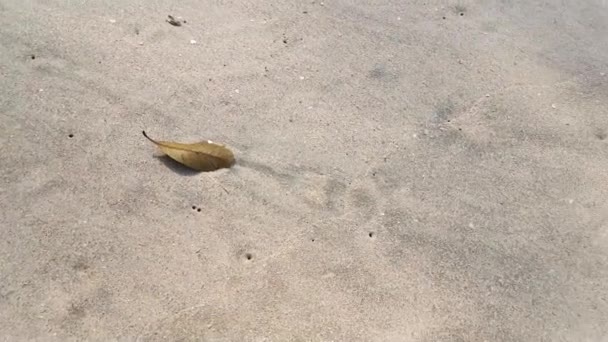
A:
(553, 106)
(237, 91)
(112, 21)
(301, 77)
(141, 43)
(192, 41)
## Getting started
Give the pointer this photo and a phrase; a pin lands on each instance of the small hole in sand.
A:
(70, 135)
(199, 210)
(443, 18)
(248, 256)
(193, 207)
(33, 56)
(461, 14)
(371, 234)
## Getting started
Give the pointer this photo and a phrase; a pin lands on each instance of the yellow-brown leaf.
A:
(203, 156)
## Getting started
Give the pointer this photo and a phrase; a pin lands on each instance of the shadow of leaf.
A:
(177, 167)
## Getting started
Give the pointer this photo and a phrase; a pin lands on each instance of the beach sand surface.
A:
(406, 171)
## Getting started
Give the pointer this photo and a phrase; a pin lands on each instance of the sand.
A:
(406, 171)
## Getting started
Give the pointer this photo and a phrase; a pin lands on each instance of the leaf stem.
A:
(147, 137)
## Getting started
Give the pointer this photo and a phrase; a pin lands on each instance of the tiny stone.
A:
(141, 43)
(553, 106)
(192, 41)
(398, 18)
(570, 201)
(301, 77)
(602, 74)
(236, 91)
(112, 21)
(487, 95)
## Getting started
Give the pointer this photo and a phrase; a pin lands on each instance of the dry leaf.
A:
(203, 156)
